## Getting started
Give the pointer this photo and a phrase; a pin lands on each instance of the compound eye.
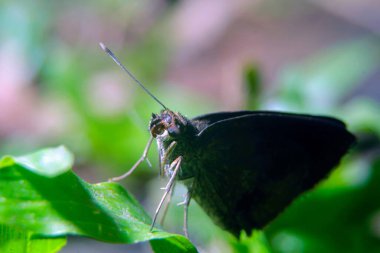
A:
(157, 130)
(174, 131)
(167, 118)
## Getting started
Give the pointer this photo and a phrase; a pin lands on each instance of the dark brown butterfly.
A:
(243, 168)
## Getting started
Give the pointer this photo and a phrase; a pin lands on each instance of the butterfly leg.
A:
(165, 156)
(163, 161)
(186, 204)
(142, 158)
(186, 214)
(166, 206)
(176, 165)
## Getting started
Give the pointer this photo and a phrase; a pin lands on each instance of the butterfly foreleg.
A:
(164, 158)
(142, 158)
(176, 165)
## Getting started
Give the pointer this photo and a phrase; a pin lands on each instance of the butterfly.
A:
(244, 167)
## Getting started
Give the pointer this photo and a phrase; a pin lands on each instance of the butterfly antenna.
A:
(115, 59)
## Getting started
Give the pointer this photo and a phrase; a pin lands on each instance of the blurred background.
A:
(314, 56)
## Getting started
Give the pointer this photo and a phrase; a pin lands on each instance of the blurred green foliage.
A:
(341, 215)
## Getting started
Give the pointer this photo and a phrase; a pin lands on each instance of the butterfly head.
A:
(167, 123)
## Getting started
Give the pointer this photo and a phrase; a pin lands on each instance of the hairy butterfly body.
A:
(245, 167)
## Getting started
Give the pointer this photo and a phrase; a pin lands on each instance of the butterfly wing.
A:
(253, 164)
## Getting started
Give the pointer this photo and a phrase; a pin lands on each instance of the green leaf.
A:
(14, 240)
(172, 245)
(39, 193)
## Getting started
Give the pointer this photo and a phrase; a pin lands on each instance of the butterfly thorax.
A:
(174, 134)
